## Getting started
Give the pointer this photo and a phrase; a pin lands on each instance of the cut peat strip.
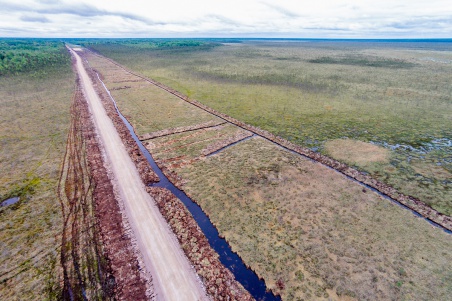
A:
(431, 215)
(229, 143)
(183, 129)
(245, 276)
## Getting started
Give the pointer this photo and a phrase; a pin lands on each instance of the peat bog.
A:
(302, 227)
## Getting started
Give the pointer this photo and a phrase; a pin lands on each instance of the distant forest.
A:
(25, 55)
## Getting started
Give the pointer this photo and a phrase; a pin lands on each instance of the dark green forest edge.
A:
(394, 95)
(29, 55)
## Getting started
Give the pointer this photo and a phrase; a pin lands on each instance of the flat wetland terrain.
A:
(317, 94)
(311, 233)
(36, 86)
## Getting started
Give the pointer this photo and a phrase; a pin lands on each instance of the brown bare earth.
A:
(95, 241)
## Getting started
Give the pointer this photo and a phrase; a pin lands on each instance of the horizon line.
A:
(227, 38)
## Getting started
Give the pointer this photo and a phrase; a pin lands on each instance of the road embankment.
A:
(116, 259)
(173, 277)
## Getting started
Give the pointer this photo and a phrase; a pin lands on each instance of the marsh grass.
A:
(311, 92)
(320, 234)
(298, 224)
(33, 129)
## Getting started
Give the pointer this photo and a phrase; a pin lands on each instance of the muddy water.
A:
(228, 258)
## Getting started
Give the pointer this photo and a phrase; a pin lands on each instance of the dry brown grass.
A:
(355, 152)
(321, 234)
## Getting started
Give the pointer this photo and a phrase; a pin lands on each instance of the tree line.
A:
(25, 55)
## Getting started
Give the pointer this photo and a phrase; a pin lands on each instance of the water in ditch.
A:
(228, 258)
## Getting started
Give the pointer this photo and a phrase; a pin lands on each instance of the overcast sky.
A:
(231, 18)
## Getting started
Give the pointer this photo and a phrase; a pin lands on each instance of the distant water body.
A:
(442, 40)
(444, 44)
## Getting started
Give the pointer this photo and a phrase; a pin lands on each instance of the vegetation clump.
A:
(356, 153)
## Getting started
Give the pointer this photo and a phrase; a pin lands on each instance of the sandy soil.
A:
(173, 277)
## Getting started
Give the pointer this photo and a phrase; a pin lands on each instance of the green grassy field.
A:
(308, 231)
(34, 104)
(397, 96)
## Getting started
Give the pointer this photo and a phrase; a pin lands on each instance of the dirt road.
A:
(173, 277)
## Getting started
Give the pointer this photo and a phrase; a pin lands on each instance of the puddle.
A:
(10, 201)
(435, 144)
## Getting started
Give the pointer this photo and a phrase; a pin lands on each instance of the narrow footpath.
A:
(172, 276)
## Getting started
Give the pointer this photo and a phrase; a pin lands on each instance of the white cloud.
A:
(34, 18)
(151, 18)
